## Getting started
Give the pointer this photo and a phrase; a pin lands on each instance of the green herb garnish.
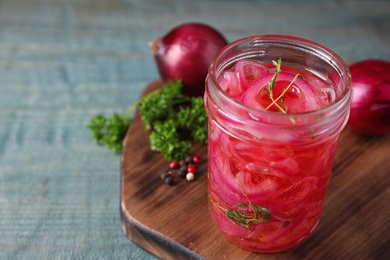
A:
(272, 82)
(245, 217)
(271, 86)
(110, 131)
(173, 118)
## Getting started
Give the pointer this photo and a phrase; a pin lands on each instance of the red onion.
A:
(185, 53)
(370, 106)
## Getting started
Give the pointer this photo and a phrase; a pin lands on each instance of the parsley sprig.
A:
(110, 131)
(173, 118)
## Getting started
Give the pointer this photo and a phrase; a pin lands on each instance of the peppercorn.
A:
(197, 158)
(185, 168)
(190, 176)
(183, 174)
(188, 160)
(174, 164)
(191, 168)
(164, 175)
(182, 162)
(169, 180)
(183, 171)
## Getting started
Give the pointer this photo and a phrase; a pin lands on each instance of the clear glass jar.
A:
(269, 165)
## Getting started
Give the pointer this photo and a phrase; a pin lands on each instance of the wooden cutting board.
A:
(172, 222)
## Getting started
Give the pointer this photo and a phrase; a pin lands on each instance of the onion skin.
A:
(185, 53)
(370, 105)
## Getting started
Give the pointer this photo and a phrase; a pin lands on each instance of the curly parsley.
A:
(173, 118)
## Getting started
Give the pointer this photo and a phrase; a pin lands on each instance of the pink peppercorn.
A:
(191, 168)
(174, 164)
(197, 158)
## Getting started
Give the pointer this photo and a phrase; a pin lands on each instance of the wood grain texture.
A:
(172, 222)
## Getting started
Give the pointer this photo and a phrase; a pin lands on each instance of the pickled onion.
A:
(230, 84)
(307, 103)
(249, 71)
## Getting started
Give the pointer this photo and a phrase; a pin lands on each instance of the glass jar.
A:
(271, 148)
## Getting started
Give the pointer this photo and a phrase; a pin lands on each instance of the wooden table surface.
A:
(64, 61)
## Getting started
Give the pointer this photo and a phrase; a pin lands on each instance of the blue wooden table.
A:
(64, 61)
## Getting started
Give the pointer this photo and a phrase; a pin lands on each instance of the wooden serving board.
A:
(172, 222)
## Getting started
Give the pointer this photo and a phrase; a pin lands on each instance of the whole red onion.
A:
(185, 53)
(370, 106)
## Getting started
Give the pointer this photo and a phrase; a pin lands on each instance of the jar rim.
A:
(321, 51)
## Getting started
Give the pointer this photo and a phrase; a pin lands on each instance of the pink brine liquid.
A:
(267, 189)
